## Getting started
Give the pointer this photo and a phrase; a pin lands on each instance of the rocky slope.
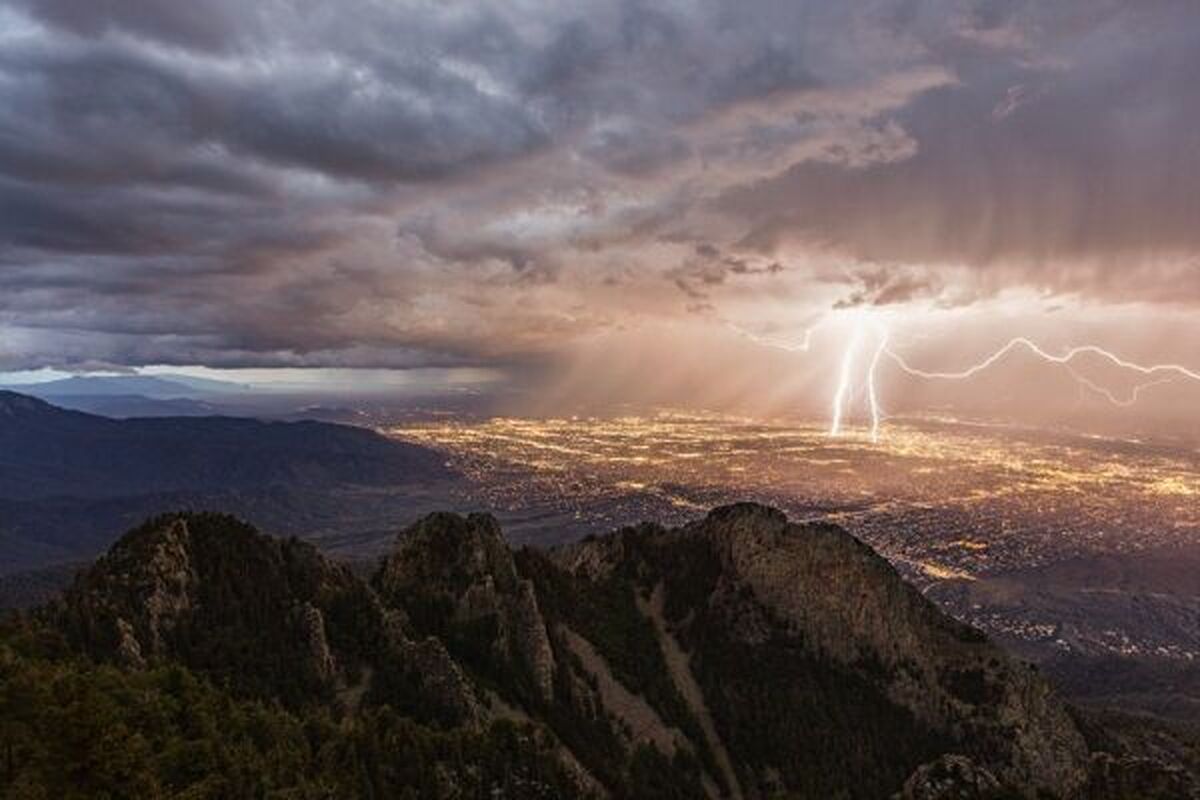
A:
(785, 625)
(739, 656)
(271, 618)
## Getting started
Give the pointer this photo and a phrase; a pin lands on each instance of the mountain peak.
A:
(212, 591)
(749, 511)
(741, 655)
(453, 574)
(272, 618)
(765, 605)
(443, 548)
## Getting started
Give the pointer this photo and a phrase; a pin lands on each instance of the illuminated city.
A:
(945, 502)
(616, 400)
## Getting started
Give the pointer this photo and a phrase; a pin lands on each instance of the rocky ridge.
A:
(739, 656)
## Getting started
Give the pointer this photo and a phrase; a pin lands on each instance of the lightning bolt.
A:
(872, 394)
(844, 382)
(1169, 371)
(843, 385)
(1161, 373)
(1066, 358)
(1109, 394)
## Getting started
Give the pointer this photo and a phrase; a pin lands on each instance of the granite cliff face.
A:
(455, 578)
(846, 603)
(739, 656)
(782, 623)
(270, 617)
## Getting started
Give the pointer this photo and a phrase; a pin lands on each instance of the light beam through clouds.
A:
(414, 186)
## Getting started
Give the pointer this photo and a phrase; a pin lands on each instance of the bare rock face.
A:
(311, 624)
(138, 593)
(951, 777)
(445, 685)
(850, 604)
(455, 577)
(783, 622)
(214, 594)
(738, 656)
(532, 641)
(129, 651)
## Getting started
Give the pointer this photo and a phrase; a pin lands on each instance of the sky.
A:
(619, 199)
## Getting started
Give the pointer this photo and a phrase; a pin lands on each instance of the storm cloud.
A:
(369, 184)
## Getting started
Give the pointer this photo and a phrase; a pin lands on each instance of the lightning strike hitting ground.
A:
(872, 393)
(844, 380)
(1162, 373)
(843, 387)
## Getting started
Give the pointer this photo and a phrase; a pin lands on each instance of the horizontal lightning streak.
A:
(1111, 396)
(1066, 358)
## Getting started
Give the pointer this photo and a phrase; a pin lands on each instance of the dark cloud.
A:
(884, 286)
(1080, 175)
(710, 267)
(290, 182)
(208, 25)
(629, 149)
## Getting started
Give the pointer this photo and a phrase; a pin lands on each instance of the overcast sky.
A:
(364, 183)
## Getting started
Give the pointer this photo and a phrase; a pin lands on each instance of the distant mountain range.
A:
(740, 656)
(159, 387)
(67, 476)
(138, 395)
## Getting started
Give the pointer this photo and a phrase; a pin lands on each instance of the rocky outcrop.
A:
(745, 580)
(136, 595)
(445, 686)
(951, 777)
(850, 604)
(738, 656)
(311, 625)
(455, 577)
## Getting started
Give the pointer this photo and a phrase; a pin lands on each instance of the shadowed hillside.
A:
(69, 479)
(737, 656)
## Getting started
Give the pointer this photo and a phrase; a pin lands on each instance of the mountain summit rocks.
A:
(741, 655)
(454, 574)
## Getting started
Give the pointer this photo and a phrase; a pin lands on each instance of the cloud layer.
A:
(399, 184)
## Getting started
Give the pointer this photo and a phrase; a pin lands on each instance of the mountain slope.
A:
(270, 618)
(738, 656)
(47, 451)
(68, 479)
(785, 624)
